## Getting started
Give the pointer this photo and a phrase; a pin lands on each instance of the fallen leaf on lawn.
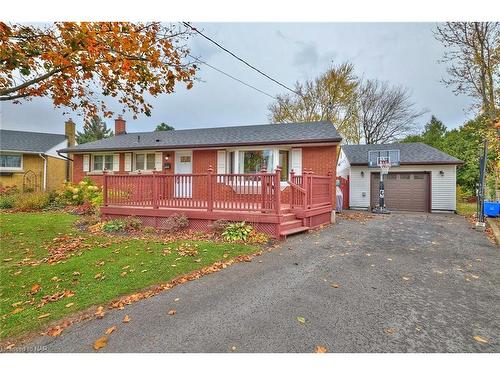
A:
(55, 331)
(172, 312)
(126, 319)
(197, 260)
(480, 339)
(36, 288)
(17, 304)
(144, 271)
(44, 316)
(76, 273)
(334, 285)
(56, 279)
(17, 272)
(7, 259)
(16, 310)
(301, 319)
(390, 330)
(100, 312)
(123, 273)
(70, 304)
(101, 343)
(110, 330)
(320, 349)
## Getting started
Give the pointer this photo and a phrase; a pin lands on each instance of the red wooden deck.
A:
(261, 199)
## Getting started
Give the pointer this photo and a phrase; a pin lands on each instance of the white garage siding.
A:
(443, 194)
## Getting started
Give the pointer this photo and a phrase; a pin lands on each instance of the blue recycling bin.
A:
(491, 209)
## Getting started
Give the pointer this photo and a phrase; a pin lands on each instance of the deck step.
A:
(289, 217)
(288, 232)
(290, 224)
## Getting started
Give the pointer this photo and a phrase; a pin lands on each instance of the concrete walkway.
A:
(405, 283)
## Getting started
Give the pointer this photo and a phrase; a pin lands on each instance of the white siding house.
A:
(442, 189)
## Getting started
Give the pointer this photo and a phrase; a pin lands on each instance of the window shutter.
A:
(221, 162)
(116, 162)
(86, 163)
(158, 157)
(297, 161)
(128, 162)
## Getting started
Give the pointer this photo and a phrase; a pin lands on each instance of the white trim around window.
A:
(145, 161)
(11, 162)
(103, 162)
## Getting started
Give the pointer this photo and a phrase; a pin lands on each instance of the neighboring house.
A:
(169, 172)
(425, 179)
(30, 161)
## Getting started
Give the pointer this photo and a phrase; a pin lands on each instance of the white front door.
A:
(183, 165)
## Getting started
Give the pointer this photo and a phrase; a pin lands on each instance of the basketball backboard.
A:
(376, 156)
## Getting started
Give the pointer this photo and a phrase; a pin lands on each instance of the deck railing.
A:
(259, 192)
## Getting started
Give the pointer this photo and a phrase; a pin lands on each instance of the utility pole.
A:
(483, 160)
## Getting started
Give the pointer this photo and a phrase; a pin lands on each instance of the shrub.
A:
(175, 223)
(8, 190)
(32, 201)
(6, 201)
(85, 192)
(88, 220)
(116, 225)
(132, 223)
(237, 232)
(220, 225)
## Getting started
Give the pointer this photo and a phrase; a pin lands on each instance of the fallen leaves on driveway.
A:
(110, 330)
(100, 343)
(172, 312)
(335, 285)
(320, 349)
(126, 319)
(99, 312)
(390, 330)
(481, 339)
(54, 331)
(301, 320)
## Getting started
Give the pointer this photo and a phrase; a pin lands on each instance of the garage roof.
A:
(289, 133)
(410, 153)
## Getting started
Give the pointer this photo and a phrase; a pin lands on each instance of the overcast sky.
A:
(402, 53)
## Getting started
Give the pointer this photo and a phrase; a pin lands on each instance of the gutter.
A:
(214, 145)
(63, 156)
(44, 171)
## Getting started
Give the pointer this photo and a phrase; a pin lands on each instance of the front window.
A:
(284, 165)
(145, 162)
(254, 161)
(10, 161)
(102, 162)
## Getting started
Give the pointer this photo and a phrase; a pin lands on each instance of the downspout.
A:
(44, 171)
(68, 166)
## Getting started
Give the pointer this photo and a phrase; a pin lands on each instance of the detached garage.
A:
(422, 178)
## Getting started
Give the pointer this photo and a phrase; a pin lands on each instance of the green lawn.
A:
(96, 274)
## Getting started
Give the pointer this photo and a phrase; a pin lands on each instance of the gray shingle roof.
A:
(14, 140)
(410, 153)
(307, 132)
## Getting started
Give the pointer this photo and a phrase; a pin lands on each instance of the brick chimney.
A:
(69, 131)
(120, 126)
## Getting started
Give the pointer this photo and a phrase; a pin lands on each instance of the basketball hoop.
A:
(384, 165)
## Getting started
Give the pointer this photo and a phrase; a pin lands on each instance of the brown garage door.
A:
(403, 191)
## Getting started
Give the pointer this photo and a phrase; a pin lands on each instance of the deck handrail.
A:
(259, 192)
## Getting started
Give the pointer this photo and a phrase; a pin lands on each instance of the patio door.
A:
(183, 165)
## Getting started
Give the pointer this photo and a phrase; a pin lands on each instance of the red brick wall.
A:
(322, 160)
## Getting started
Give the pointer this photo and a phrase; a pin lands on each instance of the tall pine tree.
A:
(93, 130)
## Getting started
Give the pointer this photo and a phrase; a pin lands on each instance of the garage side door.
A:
(403, 191)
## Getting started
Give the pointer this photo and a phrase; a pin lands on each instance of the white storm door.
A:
(183, 165)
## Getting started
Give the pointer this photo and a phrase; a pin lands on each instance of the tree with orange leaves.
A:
(79, 64)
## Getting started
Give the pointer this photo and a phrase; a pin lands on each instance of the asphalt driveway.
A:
(401, 283)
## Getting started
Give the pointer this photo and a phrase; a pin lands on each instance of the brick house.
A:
(280, 177)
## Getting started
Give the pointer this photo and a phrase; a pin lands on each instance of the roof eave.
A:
(162, 147)
(459, 162)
